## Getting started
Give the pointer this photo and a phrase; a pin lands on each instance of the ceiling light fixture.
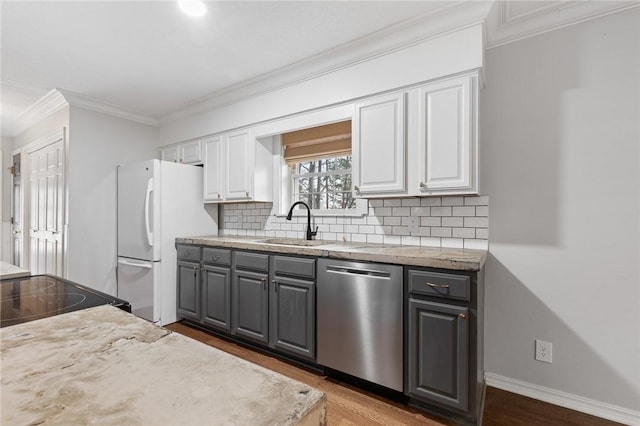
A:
(192, 7)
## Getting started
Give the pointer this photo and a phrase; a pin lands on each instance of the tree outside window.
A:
(324, 183)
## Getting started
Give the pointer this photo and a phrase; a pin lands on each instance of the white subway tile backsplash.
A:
(453, 201)
(427, 202)
(464, 233)
(441, 232)
(457, 221)
(430, 221)
(401, 211)
(452, 242)
(440, 211)
(452, 221)
(482, 210)
(482, 200)
(476, 222)
(392, 220)
(410, 202)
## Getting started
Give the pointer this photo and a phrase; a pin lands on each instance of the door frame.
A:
(25, 157)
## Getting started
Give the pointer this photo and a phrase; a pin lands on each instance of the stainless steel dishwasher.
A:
(360, 320)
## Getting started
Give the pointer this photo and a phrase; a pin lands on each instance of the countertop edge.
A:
(469, 260)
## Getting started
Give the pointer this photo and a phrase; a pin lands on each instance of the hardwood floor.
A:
(350, 406)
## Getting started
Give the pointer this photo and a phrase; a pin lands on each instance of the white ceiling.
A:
(150, 59)
(147, 58)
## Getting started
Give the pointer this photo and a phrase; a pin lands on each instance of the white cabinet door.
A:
(238, 174)
(447, 137)
(379, 146)
(190, 152)
(213, 164)
(170, 154)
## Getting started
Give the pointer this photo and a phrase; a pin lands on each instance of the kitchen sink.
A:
(294, 242)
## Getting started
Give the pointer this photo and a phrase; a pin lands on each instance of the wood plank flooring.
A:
(350, 406)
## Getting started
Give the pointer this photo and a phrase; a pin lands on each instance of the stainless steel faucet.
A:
(310, 233)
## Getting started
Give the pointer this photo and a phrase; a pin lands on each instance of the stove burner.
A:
(30, 298)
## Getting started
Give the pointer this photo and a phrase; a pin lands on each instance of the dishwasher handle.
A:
(358, 271)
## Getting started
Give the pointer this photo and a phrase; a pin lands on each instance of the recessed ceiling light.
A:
(192, 7)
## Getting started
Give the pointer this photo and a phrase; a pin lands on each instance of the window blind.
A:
(331, 140)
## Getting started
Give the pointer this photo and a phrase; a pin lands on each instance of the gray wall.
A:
(560, 163)
(97, 144)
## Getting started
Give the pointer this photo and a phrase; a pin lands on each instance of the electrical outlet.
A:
(543, 351)
(412, 223)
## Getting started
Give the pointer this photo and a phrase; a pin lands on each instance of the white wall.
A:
(561, 165)
(449, 54)
(97, 144)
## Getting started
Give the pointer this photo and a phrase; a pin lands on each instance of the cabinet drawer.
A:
(214, 256)
(294, 266)
(253, 261)
(189, 253)
(437, 284)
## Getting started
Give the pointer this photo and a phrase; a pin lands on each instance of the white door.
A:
(239, 174)
(47, 209)
(138, 210)
(445, 145)
(379, 145)
(17, 211)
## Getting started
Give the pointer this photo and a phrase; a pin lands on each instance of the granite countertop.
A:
(434, 257)
(9, 271)
(104, 366)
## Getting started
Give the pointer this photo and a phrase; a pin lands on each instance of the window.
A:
(319, 161)
(324, 184)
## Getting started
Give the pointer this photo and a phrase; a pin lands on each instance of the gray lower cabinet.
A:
(438, 361)
(250, 296)
(188, 282)
(444, 340)
(292, 305)
(216, 291)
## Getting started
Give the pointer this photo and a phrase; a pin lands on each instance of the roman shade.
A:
(331, 140)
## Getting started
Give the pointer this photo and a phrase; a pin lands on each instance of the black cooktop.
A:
(41, 296)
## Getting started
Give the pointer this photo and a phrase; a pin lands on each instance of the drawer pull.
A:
(438, 285)
(462, 316)
(275, 285)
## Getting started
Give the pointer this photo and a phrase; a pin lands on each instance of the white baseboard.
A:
(563, 399)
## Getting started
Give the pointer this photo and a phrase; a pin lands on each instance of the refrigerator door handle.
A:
(137, 265)
(147, 219)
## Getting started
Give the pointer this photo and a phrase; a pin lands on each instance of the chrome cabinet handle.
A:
(264, 283)
(275, 285)
(438, 285)
(423, 185)
(357, 188)
(462, 316)
(218, 196)
(247, 193)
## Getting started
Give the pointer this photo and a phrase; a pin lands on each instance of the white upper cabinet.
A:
(378, 146)
(212, 160)
(238, 177)
(187, 153)
(238, 168)
(447, 138)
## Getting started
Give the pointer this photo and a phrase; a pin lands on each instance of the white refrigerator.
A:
(157, 202)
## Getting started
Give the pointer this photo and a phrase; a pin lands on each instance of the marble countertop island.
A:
(434, 257)
(105, 366)
(9, 271)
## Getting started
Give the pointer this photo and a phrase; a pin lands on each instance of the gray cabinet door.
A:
(292, 314)
(188, 276)
(216, 294)
(250, 305)
(438, 340)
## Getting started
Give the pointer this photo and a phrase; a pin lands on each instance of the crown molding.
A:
(506, 24)
(38, 111)
(416, 30)
(85, 102)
